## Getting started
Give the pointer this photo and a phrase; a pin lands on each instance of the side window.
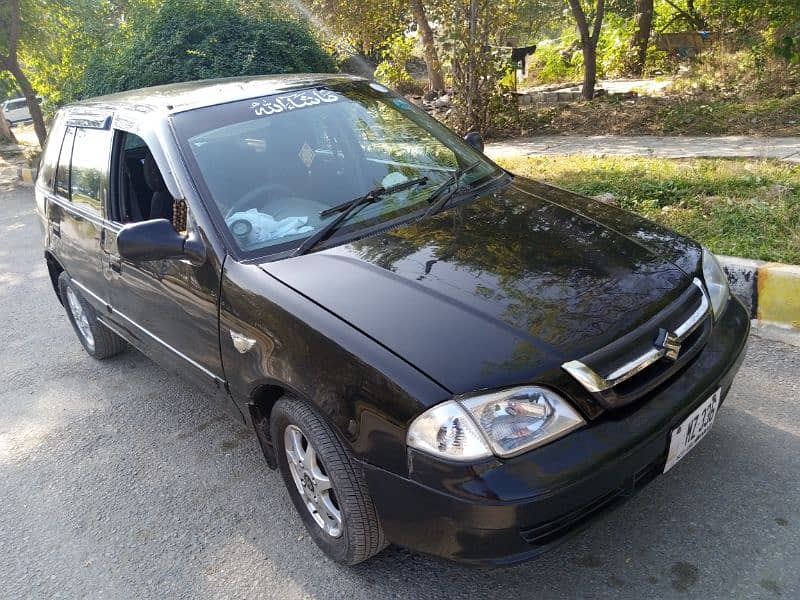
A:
(138, 192)
(49, 160)
(62, 174)
(89, 174)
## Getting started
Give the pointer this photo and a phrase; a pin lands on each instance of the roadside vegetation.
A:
(737, 207)
(674, 114)
(738, 73)
(720, 92)
(737, 69)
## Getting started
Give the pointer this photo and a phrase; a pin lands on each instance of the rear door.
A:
(76, 209)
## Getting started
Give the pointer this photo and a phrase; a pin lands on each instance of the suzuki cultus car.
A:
(432, 351)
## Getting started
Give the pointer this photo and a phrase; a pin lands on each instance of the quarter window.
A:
(89, 166)
(49, 160)
(62, 175)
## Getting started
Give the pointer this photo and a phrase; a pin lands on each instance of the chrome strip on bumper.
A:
(596, 383)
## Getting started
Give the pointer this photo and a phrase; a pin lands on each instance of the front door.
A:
(168, 308)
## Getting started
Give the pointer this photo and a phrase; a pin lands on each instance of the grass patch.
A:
(739, 207)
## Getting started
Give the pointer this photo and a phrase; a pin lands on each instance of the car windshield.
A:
(271, 165)
(16, 104)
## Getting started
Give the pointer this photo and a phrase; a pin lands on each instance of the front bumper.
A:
(503, 512)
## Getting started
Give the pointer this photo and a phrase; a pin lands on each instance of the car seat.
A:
(161, 202)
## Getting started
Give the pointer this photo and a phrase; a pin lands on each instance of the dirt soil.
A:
(669, 115)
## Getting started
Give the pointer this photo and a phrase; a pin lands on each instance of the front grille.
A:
(646, 358)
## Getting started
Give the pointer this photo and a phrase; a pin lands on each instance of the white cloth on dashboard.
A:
(266, 227)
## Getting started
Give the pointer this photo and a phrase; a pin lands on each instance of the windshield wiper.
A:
(346, 209)
(449, 188)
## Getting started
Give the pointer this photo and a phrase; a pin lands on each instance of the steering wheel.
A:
(246, 201)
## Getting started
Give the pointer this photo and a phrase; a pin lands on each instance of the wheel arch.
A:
(262, 398)
(54, 268)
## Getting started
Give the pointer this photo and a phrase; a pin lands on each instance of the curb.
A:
(771, 292)
(27, 174)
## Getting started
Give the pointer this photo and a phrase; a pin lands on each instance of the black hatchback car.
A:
(432, 351)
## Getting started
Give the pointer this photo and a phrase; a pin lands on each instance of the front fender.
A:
(368, 394)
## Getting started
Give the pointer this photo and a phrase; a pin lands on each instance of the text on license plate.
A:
(686, 435)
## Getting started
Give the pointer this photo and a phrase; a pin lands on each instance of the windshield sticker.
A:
(307, 155)
(400, 103)
(278, 104)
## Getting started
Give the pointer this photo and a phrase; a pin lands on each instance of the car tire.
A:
(97, 339)
(360, 535)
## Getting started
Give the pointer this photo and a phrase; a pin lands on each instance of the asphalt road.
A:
(118, 481)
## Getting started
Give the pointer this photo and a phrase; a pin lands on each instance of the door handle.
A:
(56, 229)
(115, 263)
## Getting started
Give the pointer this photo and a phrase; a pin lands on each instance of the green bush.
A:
(554, 63)
(184, 40)
(392, 69)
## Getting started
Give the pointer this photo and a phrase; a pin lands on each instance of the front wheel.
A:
(325, 483)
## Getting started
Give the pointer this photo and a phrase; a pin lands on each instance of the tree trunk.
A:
(589, 41)
(589, 70)
(643, 26)
(435, 77)
(11, 63)
(33, 105)
(5, 131)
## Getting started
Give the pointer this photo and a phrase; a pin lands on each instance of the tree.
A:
(589, 39)
(643, 27)
(435, 76)
(468, 33)
(183, 40)
(364, 25)
(10, 27)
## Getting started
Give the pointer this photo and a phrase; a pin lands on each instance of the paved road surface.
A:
(654, 146)
(116, 481)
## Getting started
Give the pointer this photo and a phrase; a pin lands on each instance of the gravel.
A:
(117, 480)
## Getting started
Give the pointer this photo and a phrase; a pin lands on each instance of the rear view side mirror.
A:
(474, 139)
(158, 240)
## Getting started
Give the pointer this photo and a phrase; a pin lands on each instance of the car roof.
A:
(179, 97)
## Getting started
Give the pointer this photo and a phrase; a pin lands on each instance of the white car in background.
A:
(16, 110)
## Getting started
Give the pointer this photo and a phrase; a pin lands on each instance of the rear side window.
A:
(90, 155)
(49, 160)
(62, 174)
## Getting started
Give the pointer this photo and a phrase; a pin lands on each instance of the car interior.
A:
(302, 163)
(141, 194)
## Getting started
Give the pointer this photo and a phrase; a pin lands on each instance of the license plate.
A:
(693, 429)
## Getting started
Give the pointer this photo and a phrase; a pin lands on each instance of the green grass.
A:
(739, 207)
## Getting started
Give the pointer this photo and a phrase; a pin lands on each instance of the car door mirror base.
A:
(474, 139)
(157, 240)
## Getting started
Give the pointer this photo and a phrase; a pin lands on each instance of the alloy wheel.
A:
(312, 481)
(79, 315)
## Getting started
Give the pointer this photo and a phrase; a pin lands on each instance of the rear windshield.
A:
(269, 166)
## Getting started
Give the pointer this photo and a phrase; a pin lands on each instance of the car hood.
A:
(492, 292)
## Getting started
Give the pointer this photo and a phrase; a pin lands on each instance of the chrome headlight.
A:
(716, 283)
(503, 423)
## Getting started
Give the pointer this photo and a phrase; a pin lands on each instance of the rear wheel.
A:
(325, 483)
(97, 339)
